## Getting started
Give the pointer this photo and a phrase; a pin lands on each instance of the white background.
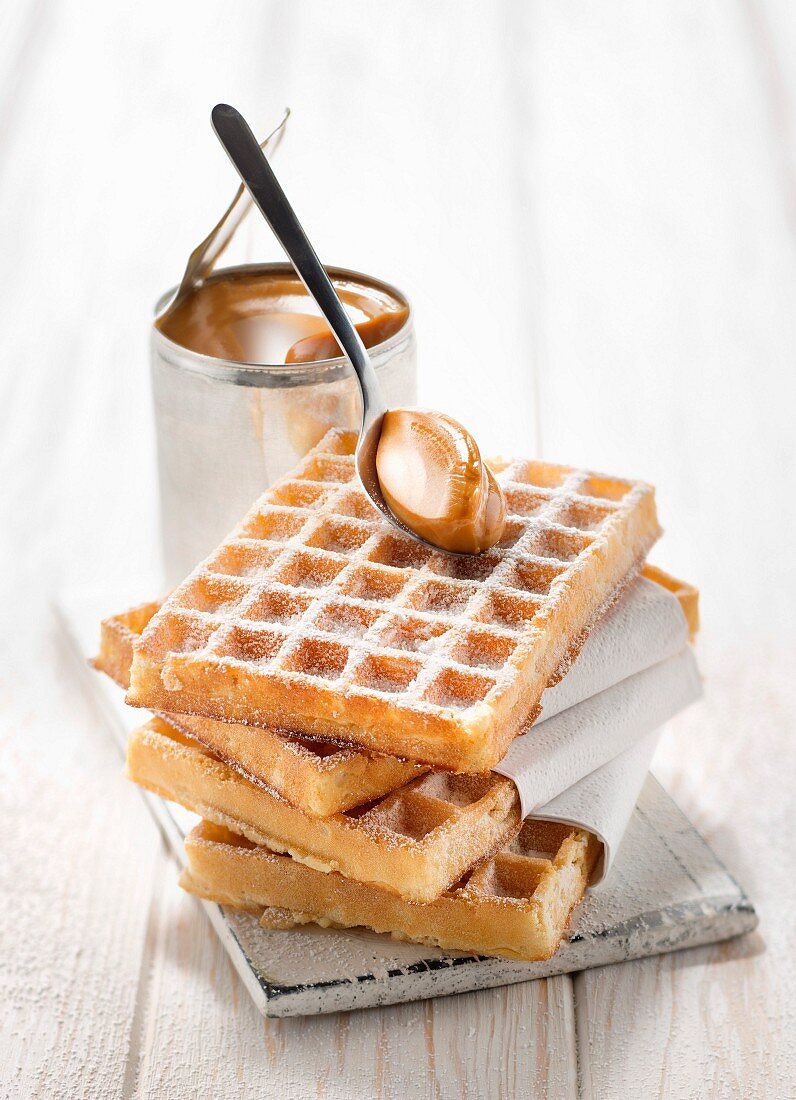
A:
(593, 209)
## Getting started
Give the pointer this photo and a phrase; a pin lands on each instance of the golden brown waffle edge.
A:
(517, 904)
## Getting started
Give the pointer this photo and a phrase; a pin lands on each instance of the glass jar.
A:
(226, 430)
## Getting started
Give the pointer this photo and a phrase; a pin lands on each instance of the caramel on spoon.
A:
(434, 480)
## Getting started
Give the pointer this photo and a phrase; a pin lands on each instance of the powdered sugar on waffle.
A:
(313, 581)
(314, 588)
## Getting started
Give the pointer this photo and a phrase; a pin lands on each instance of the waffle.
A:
(117, 635)
(517, 904)
(416, 841)
(686, 594)
(316, 616)
(318, 777)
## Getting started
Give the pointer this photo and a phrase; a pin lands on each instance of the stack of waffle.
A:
(330, 697)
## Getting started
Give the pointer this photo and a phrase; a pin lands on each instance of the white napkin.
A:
(645, 626)
(603, 801)
(585, 760)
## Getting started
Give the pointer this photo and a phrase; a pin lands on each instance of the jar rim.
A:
(289, 374)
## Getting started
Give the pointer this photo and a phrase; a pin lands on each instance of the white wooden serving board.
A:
(667, 891)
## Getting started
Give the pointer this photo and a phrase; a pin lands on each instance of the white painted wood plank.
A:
(721, 1015)
(76, 868)
(771, 29)
(669, 275)
(22, 24)
(515, 1041)
(76, 865)
(663, 197)
(201, 1031)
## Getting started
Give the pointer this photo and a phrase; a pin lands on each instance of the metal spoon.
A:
(253, 168)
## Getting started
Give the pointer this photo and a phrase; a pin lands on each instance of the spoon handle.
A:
(248, 158)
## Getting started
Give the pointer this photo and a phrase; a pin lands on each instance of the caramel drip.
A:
(313, 349)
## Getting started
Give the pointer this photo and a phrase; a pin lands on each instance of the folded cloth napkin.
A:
(585, 760)
(645, 626)
(603, 801)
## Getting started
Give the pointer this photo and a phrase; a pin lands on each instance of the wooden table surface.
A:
(593, 208)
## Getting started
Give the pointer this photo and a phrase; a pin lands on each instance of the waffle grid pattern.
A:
(314, 587)
(525, 865)
(516, 904)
